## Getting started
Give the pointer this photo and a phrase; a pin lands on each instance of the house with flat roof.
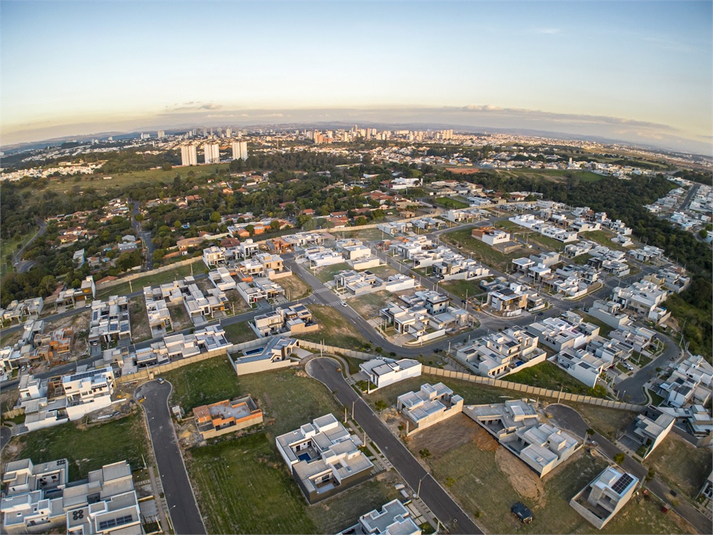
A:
(430, 405)
(40, 498)
(516, 425)
(226, 416)
(294, 320)
(278, 352)
(651, 428)
(383, 372)
(604, 497)
(582, 365)
(566, 331)
(110, 320)
(324, 458)
(500, 353)
(393, 519)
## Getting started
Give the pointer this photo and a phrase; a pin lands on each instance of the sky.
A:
(634, 71)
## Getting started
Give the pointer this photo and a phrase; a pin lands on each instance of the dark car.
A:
(437, 350)
(522, 513)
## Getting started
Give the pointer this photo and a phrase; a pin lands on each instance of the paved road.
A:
(5, 436)
(435, 497)
(633, 388)
(24, 265)
(144, 235)
(182, 505)
(569, 419)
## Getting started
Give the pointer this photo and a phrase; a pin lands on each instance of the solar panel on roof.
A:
(622, 483)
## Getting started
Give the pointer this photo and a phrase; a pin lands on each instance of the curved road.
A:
(182, 506)
(436, 498)
(24, 265)
(634, 385)
(569, 419)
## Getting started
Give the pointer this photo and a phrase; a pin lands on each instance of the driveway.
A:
(569, 419)
(182, 506)
(436, 498)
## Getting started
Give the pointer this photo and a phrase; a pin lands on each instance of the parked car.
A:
(160, 380)
(521, 512)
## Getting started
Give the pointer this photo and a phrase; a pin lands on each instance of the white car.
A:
(344, 303)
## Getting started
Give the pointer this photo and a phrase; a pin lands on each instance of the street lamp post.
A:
(418, 490)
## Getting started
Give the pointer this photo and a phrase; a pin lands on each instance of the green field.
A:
(336, 330)
(461, 288)
(85, 449)
(327, 273)
(121, 181)
(203, 383)
(243, 485)
(237, 333)
(480, 251)
(603, 237)
(153, 279)
(448, 202)
(608, 422)
(545, 241)
(681, 465)
(553, 174)
(548, 375)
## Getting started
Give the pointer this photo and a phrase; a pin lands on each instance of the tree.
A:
(424, 453)
(48, 284)
(250, 229)
(167, 166)
(275, 225)
(215, 217)
(177, 224)
(703, 233)
(619, 458)
(139, 217)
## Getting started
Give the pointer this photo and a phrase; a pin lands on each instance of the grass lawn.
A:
(480, 251)
(154, 279)
(603, 237)
(336, 330)
(604, 329)
(582, 259)
(472, 393)
(546, 241)
(655, 398)
(447, 202)
(383, 272)
(639, 359)
(226, 472)
(327, 273)
(239, 332)
(295, 287)
(353, 364)
(460, 288)
(554, 174)
(203, 383)
(608, 422)
(243, 486)
(85, 449)
(680, 464)
(548, 375)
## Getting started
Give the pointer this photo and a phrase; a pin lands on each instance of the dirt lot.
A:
(369, 306)
(680, 464)
(523, 480)
(451, 434)
(179, 317)
(140, 329)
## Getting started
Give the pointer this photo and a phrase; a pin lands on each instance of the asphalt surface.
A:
(182, 507)
(23, 266)
(435, 497)
(632, 389)
(569, 419)
(5, 436)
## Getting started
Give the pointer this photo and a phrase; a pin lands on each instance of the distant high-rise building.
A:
(228, 132)
(240, 150)
(212, 152)
(160, 134)
(189, 154)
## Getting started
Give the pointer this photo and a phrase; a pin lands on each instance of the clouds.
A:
(192, 106)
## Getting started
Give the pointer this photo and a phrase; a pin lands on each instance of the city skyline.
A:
(635, 71)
